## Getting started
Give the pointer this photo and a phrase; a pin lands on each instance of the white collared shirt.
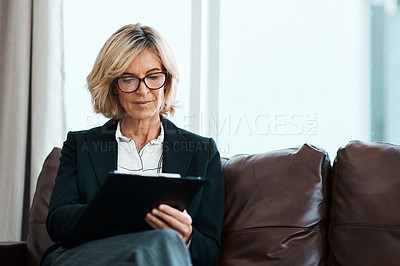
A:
(130, 160)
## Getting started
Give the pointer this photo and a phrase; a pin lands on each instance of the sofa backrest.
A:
(276, 208)
(365, 210)
(38, 239)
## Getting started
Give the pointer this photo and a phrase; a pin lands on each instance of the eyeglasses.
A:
(130, 84)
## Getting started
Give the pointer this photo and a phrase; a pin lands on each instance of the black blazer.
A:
(88, 156)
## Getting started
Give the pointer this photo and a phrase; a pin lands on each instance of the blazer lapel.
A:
(103, 149)
(177, 155)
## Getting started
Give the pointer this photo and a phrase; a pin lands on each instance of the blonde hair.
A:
(114, 58)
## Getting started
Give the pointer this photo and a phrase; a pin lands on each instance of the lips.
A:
(142, 103)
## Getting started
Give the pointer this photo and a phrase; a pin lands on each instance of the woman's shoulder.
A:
(108, 128)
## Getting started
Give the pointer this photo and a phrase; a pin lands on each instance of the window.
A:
(285, 72)
(312, 71)
(300, 73)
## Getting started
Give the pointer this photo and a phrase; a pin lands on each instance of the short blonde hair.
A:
(114, 58)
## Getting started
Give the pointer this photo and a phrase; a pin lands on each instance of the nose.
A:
(142, 90)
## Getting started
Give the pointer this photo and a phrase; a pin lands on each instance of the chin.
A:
(144, 115)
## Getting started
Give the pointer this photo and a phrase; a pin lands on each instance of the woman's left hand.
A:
(167, 217)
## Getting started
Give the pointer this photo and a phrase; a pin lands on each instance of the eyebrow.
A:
(147, 72)
(156, 68)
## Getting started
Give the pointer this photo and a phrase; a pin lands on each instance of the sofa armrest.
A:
(13, 253)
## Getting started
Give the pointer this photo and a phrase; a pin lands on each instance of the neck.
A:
(142, 131)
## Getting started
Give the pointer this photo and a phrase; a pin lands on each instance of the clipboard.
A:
(122, 202)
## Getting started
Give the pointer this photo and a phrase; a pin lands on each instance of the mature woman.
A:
(134, 82)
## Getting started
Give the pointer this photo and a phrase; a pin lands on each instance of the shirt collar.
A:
(121, 138)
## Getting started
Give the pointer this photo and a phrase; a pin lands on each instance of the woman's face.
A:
(143, 104)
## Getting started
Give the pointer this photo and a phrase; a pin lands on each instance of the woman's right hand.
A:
(167, 217)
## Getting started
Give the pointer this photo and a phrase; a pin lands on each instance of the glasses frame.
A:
(140, 80)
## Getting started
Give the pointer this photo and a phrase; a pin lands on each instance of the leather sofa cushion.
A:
(275, 209)
(365, 216)
(38, 239)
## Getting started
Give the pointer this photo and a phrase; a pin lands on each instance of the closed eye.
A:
(128, 80)
(154, 76)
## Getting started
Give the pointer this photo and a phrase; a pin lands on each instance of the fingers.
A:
(167, 212)
(149, 221)
(166, 217)
(157, 222)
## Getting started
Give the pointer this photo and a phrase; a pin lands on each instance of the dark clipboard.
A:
(121, 204)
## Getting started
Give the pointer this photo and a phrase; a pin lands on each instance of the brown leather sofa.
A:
(285, 207)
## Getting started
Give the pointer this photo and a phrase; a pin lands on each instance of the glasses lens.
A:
(155, 81)
(128, 84)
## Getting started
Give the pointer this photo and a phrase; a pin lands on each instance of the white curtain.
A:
(32, 118)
